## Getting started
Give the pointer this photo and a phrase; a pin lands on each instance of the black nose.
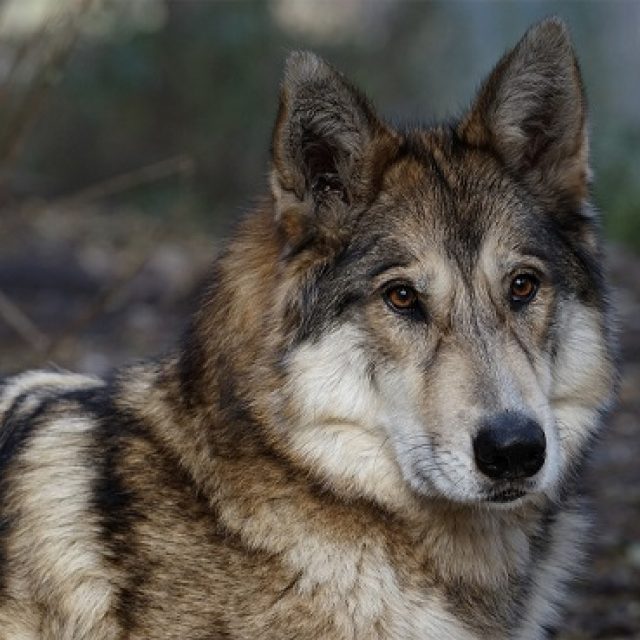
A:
(509, 446)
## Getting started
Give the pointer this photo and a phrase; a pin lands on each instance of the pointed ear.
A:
(322, 141)
(532, 112)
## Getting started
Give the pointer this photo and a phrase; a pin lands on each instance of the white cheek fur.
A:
(372, 439)
(339, 429)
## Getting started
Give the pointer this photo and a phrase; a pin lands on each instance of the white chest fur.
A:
(362, 588)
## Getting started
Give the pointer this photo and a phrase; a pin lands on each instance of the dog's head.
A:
(441, 287)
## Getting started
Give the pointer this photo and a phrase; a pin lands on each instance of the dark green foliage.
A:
(206, 84)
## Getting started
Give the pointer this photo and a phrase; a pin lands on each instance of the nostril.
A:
(495, 467)
(510, 446)
(532, 462)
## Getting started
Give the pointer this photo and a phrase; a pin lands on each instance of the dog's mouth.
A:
(507, 495)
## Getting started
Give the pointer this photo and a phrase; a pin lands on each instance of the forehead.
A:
(457, 202)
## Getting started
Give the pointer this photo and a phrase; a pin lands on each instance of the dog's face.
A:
(445, 309)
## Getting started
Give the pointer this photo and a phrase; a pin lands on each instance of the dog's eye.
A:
(401, 298)
(523, 289)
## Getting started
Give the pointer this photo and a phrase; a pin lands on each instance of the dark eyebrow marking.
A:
(354, 253)
(385, 266)
(533, 252)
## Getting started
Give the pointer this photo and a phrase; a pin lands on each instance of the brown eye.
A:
(401, 298)
(523, 289)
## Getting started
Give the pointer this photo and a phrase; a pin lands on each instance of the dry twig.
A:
(23, 325)
(21, 119)
(105, 300)
(182, 165)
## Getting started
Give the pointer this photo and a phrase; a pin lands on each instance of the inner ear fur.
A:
(531, 111)
(327, 144)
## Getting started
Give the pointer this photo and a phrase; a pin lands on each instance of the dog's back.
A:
(50, 557)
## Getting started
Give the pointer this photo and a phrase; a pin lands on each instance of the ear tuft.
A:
(550, 32)
(302, 67)
(532, 111)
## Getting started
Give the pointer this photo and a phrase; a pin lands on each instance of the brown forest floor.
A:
(102, 288)
(607, 603)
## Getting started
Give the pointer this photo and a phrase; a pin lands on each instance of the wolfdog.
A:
(373, 426)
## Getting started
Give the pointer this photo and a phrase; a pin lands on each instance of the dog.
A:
(374, 425)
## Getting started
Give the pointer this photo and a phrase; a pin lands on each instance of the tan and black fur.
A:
(303, 466)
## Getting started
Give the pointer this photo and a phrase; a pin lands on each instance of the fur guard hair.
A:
(303, 466)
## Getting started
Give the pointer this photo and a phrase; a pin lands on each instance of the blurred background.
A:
(133, 133)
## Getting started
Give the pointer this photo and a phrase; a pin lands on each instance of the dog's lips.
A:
(507, 495)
